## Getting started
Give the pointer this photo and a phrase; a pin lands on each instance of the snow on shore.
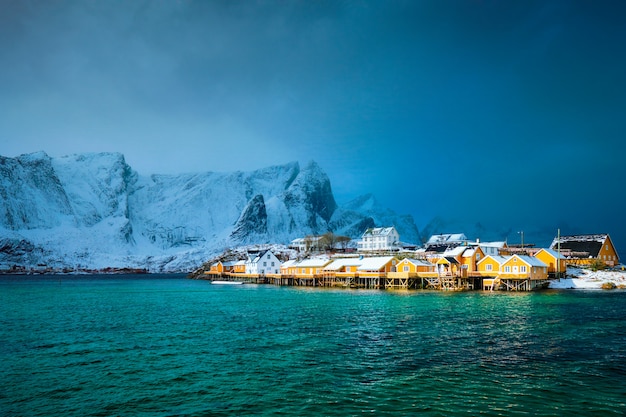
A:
(578, 278)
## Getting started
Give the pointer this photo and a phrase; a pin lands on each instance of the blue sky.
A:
(505, 113)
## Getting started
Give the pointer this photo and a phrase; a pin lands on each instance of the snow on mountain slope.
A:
(93, 211)
(32, 196)
(96, 185)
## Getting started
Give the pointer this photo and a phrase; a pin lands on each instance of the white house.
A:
(379, 238)
(264, 262)
(491, 248)
(305, 244)
(447, 239)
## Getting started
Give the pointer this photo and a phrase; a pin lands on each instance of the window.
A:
(522, 269)
(489, 267)
(507, 269)
(272, 263)
(264, 263)
(268, 256)
(477, 257)
(406, 268)
(303, 270)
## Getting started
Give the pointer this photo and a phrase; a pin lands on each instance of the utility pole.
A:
(558, 251)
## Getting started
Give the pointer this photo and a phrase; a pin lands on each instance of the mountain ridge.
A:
(92, 210)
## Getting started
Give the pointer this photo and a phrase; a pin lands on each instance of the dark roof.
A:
(591, 244)
(440, 248)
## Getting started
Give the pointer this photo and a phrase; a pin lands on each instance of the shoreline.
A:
(577, 279)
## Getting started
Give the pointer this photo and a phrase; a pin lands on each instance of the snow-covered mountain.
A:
(94, 211)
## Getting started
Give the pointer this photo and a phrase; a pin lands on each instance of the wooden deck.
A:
(391, 280)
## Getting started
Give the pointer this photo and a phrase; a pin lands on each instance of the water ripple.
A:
(171, 346)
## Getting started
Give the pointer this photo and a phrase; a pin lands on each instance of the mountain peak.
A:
(93, 210)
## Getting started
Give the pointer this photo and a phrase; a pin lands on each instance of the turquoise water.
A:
(166, 345)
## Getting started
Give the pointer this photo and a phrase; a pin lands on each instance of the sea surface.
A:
(165, 345)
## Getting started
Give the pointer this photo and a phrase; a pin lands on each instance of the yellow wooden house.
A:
(377, 266)
(448, 266)
(470, 258)
(556, 263)
(342, 267)
(413, 267)
(288, 268)
(489, 268)
(239, 267)
(586, 249)
(524, 267)
(222, 267)
(309, 268)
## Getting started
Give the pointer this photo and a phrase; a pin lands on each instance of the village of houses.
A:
(445, 262)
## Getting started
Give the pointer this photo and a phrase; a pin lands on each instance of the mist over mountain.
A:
(94, 211)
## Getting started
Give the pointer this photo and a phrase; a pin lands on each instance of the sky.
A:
(507, 114)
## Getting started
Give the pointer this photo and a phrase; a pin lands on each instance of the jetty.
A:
(448, 262)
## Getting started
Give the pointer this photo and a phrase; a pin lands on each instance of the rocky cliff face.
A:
(252, 224)
(94, 211)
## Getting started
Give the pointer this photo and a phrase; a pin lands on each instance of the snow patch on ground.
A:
(578, 278)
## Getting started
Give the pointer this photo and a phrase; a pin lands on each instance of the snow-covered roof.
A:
(374, 263)
(288, 263)
(455, 251)
(532, 261)
(591, 244)
(418, 262)
(469, 253)
(337, 264)
(492, 244)
(255, 257)
(498, 258)
(306, 239)
(583, 238)
(313, 262)
(446, 238)
(379, 231)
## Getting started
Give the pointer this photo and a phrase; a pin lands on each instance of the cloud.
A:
(472, 109)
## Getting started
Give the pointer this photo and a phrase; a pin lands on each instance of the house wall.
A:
(413, 268)
(483, 269)
(388, 267)
(515, 264)
(608, 254)
(378, 242)
(406, 266)
(548, 259)
(267, 264)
